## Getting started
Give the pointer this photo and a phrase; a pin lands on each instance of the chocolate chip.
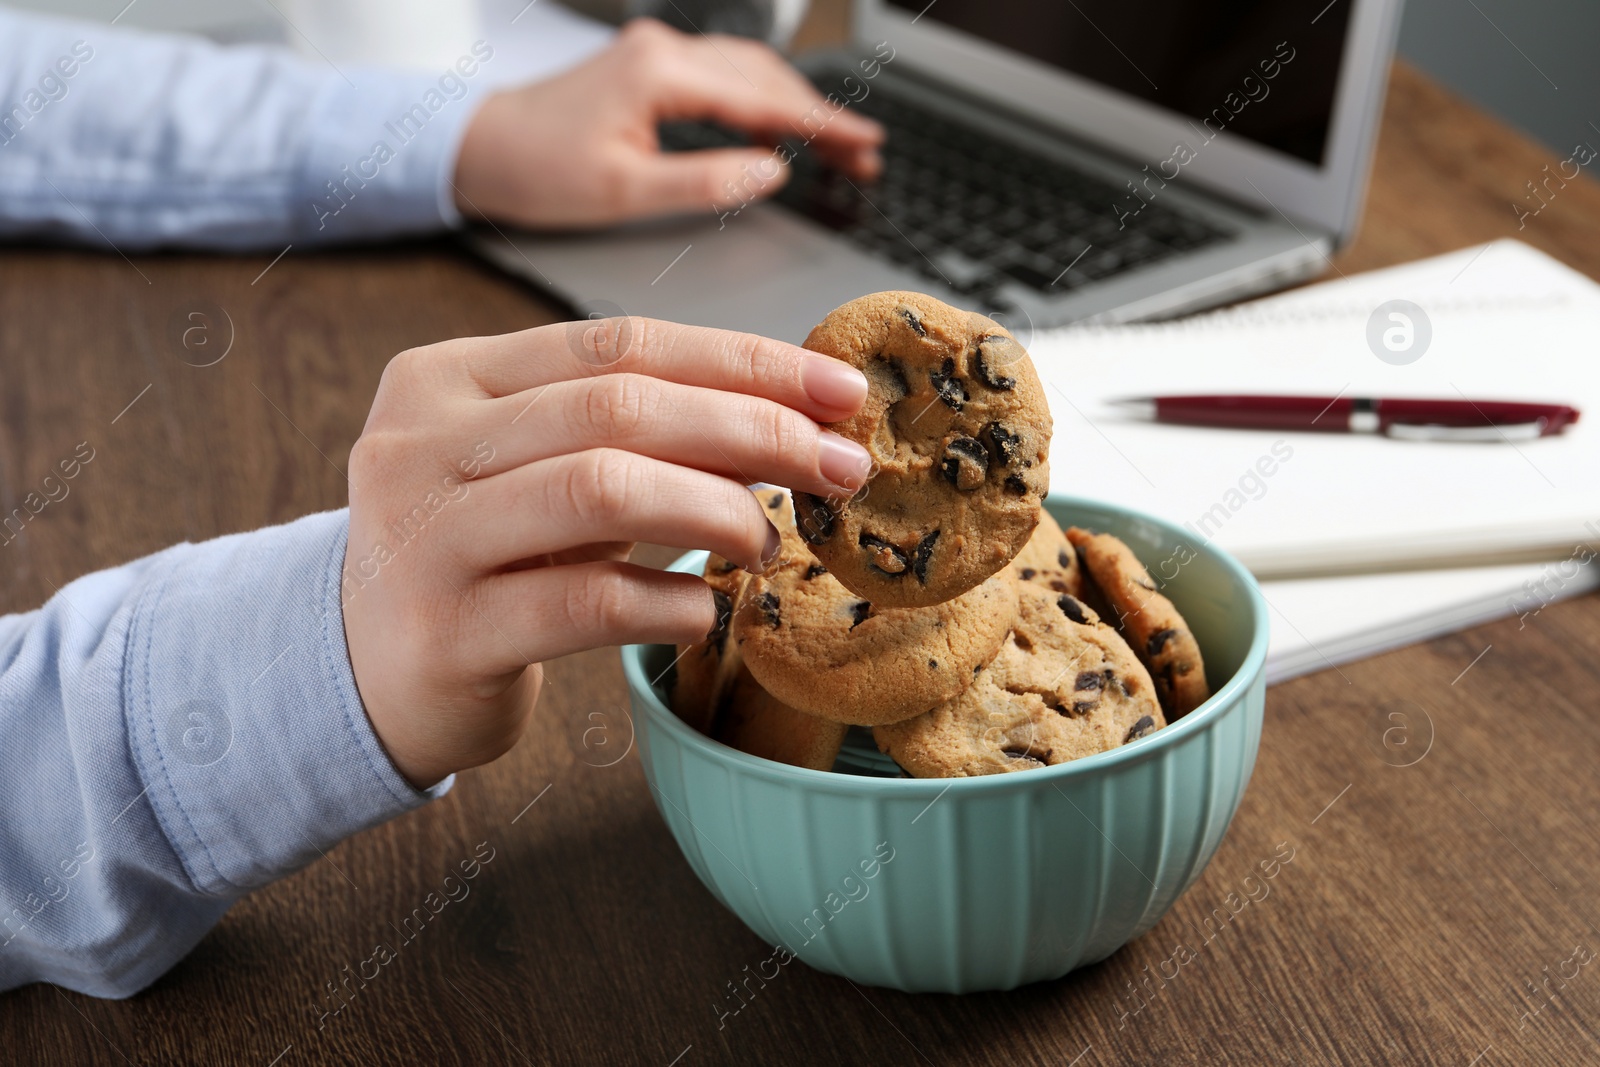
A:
(1064, 559)
(725, 566)
(1059, 586)
(912, 321)
(1015, 485)
(1111, 676)
(1073, 609)
(885, 557)
(1158, 641)
(1089, 680)
(1140, 728)
(933, 664)
(965, 464)
(1083, 707)
(1028, 573)
(980, 365)
(860, 611)
(814, 570)
(1024, 754)
(767, 603)
(724, 610)
(919, 558)
(776, 500)
(814, 518)
(1007, 446)
(948, 386)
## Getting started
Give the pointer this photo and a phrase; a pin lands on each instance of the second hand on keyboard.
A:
(974, 212)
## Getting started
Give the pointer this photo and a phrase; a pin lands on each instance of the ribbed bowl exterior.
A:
(960, 885)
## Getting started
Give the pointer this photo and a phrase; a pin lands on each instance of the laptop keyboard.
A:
(975, 212)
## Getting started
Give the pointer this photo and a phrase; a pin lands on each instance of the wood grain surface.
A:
(1425, 917)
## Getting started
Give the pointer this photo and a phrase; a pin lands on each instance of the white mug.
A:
(424, 34)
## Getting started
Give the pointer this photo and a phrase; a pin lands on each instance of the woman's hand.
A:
(500, 483)
(581, 148)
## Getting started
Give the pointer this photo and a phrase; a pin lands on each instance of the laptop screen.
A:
(1262, 69)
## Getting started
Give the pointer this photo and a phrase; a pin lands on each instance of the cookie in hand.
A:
(957, 425)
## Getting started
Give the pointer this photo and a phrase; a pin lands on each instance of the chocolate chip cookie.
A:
(705, 669)
(1048, 559)
(753, 720)
(959, 433)
(824, 650)
(1149, 621)
(1064, 685)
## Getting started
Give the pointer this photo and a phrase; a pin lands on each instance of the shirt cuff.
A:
(243, 712)
(381, 156)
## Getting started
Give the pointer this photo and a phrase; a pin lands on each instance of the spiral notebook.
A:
(1362, 543)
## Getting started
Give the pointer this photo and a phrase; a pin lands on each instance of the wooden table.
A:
(1427, 909)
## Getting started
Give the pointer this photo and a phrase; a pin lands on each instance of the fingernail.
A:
(769, 554)
(833, 383)
(842, 461)
(864, 123)
(771, 171)
(870, 162)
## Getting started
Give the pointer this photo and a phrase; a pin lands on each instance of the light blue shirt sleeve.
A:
(173, 734)
(113, 136)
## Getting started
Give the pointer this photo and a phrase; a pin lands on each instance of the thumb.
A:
(720, 178)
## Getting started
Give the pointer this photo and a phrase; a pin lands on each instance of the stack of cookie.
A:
(941, 606)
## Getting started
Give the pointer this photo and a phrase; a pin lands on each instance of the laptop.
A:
(1096, 160)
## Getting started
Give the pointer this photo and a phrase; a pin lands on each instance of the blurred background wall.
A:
(1534, 63)
(1531, 62)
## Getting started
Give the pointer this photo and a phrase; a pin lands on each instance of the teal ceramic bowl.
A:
(966, 884)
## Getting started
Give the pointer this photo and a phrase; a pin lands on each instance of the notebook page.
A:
(1507, 322)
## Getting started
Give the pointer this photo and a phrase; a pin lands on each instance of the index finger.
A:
(748, 86)
(821, 387)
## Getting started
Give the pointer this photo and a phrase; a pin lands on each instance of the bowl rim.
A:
(662, 717)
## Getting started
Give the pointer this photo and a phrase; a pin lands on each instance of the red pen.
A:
(1416, 420)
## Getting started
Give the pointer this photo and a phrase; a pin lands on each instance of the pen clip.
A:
(1515, 431)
